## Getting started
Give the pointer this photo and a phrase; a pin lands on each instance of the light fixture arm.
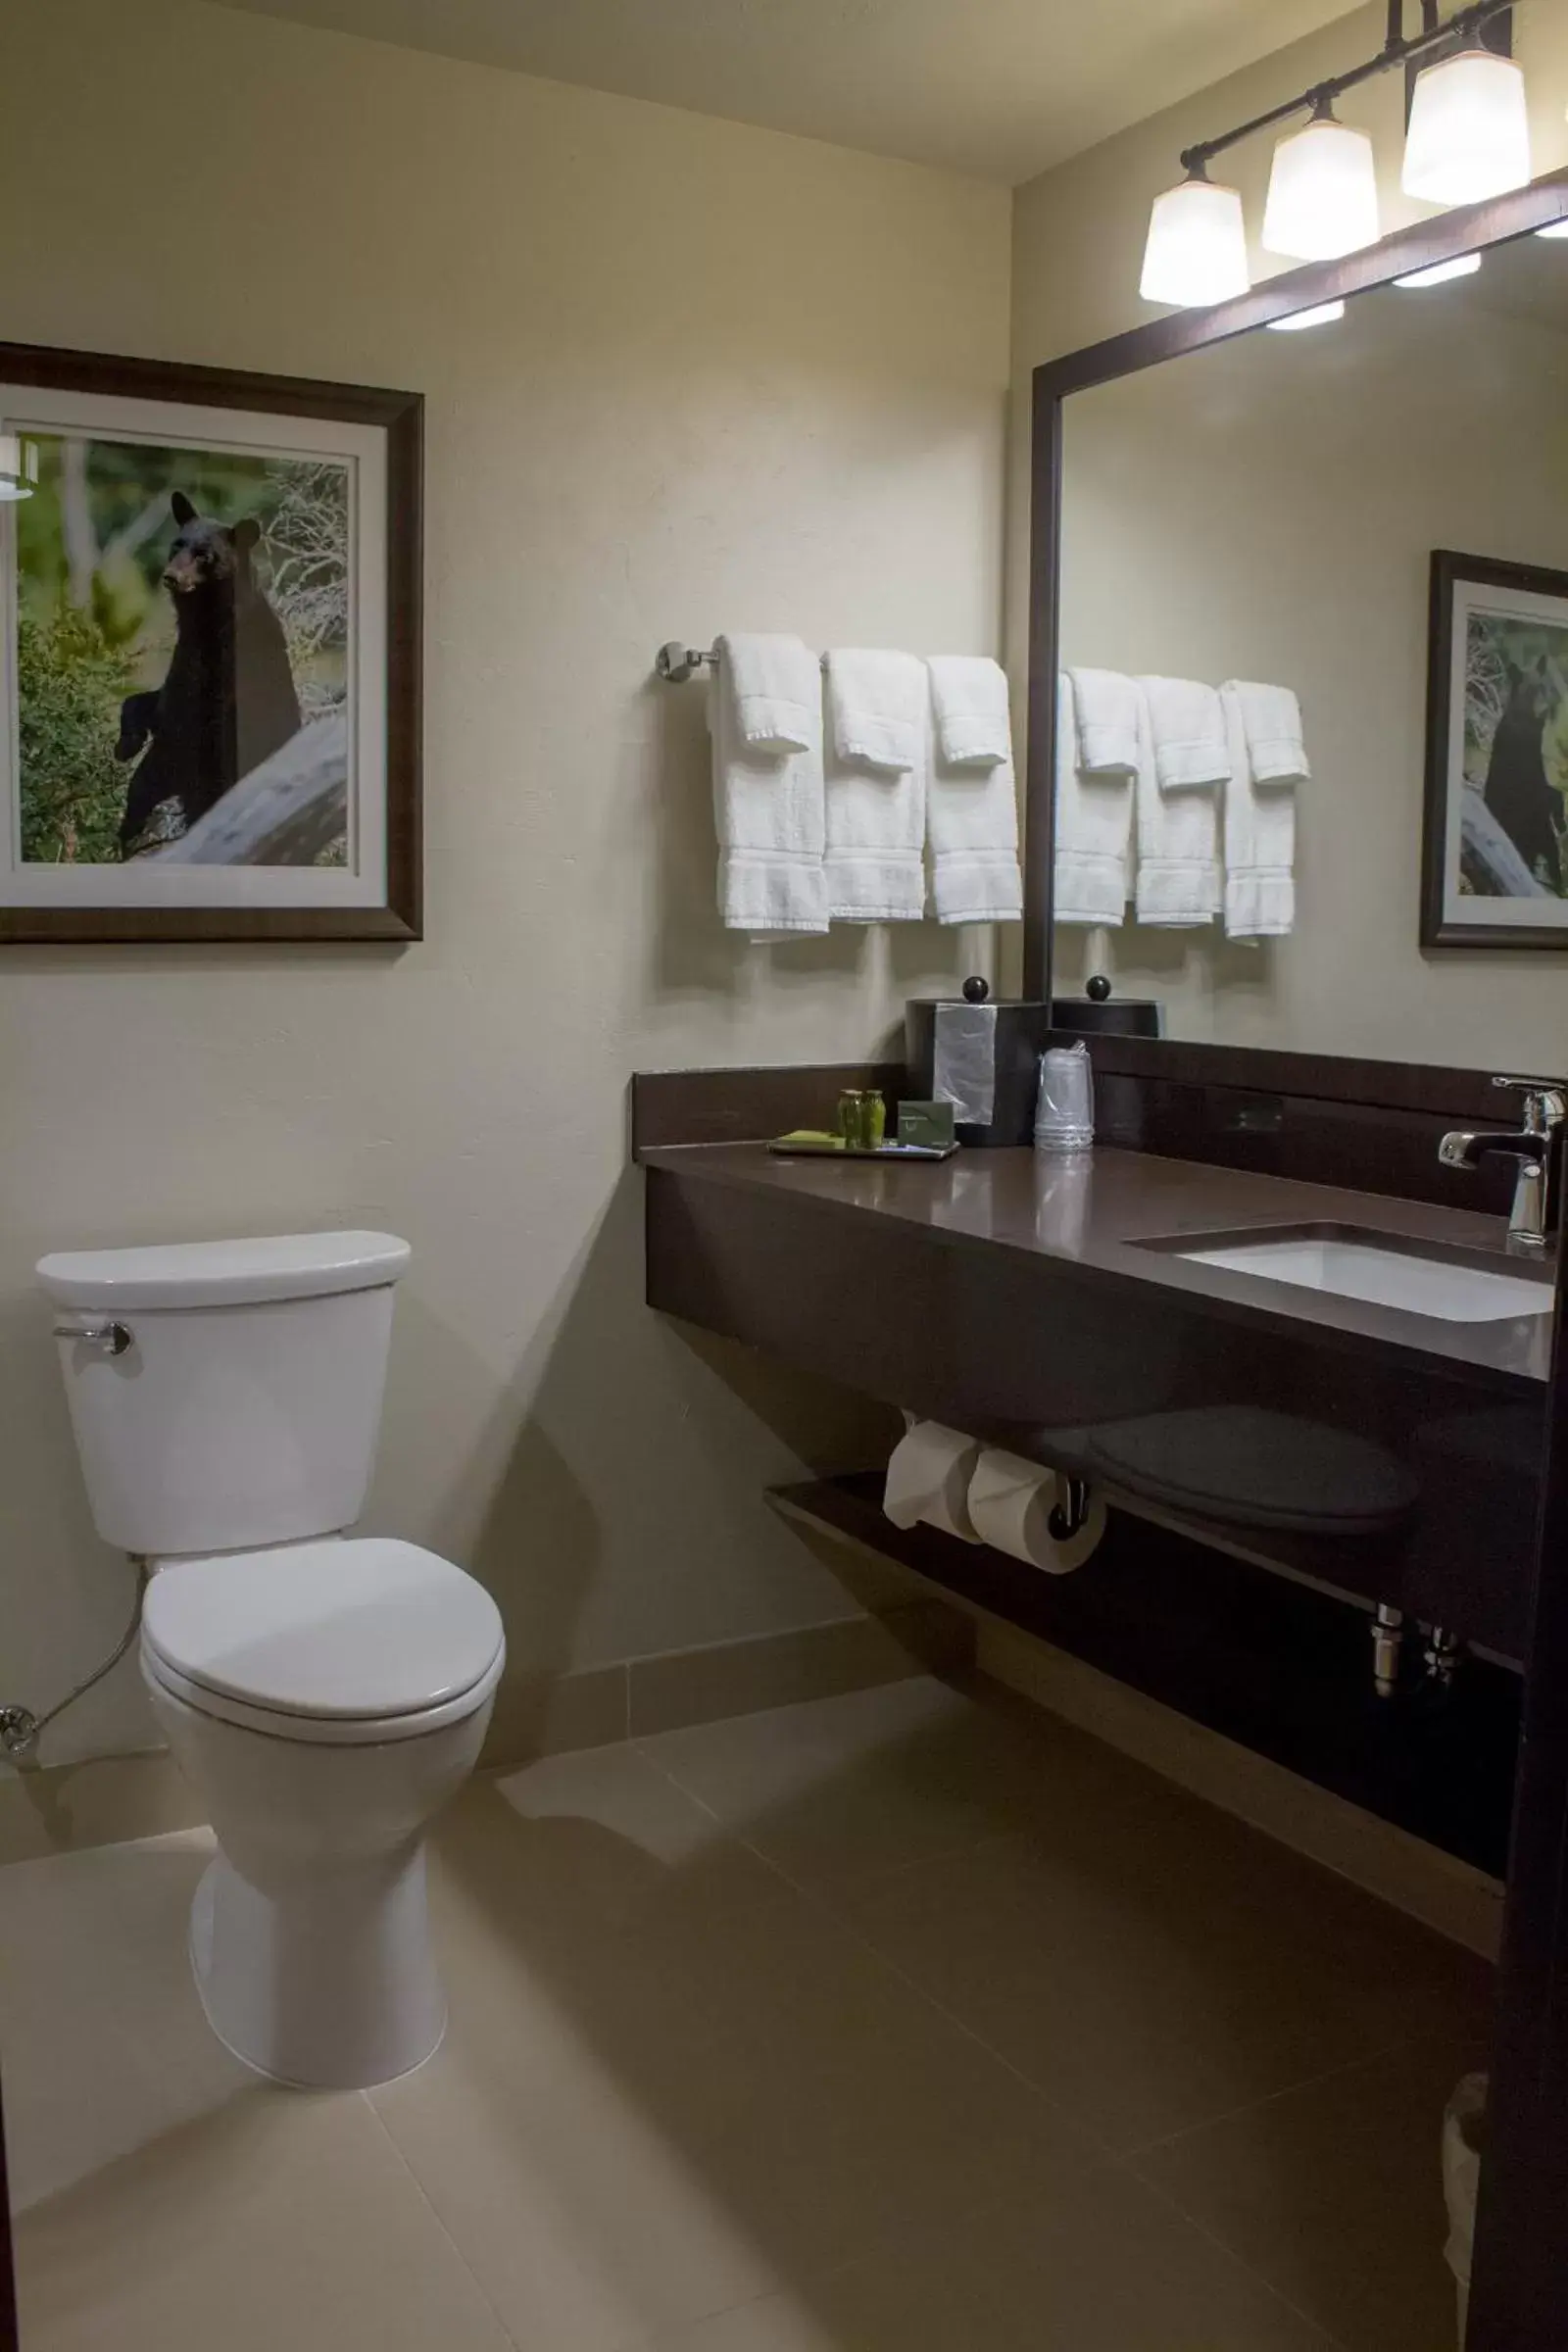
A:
(1396, 50)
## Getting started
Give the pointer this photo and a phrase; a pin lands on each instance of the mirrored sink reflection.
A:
(1352, 1262)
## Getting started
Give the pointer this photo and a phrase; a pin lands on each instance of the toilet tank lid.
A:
(180, 1274)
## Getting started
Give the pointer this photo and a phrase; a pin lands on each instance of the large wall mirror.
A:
(1369, 509)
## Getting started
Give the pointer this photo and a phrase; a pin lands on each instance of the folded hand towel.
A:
(876, 707)
(1189, 733)
(1094, 829)
(972, 828)
(1259, 839)
(1108, 721)
(969, 692)
(778, 698)
(875, 862)
(1272, 717)
(768, 810)
(1178, 841)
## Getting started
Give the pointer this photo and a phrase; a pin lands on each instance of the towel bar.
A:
(675, 662)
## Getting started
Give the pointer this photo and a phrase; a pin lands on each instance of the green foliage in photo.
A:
(72, 681)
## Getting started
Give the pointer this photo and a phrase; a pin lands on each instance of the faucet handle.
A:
(1545, 1100)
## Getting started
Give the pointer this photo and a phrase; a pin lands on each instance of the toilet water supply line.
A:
(19, 1727)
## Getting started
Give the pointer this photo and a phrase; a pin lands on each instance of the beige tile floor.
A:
(890, 2023)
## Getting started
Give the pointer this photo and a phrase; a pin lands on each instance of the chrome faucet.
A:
(1538, 1148)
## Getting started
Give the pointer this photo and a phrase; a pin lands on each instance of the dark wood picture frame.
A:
(1465, 230)
(1449, 570)
(400, 416)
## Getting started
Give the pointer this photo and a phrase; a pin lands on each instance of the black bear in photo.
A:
(1517, 791)
(228, 699)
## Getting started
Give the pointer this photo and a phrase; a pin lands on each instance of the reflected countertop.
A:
(1092, 1212)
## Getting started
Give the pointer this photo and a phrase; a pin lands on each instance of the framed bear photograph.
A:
(1495, 864)
(211, 668)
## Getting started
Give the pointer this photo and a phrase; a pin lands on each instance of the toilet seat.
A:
(340, 1643)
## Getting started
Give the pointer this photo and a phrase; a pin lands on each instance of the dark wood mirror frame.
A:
(1520, 2302)
(1466, 230)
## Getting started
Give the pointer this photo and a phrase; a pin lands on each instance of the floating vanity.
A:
(1322, 1379)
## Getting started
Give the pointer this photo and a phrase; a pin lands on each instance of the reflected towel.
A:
(1094, 829)
(1178, 845)
(1108, 721)
(1259, 839)
(1189, 725)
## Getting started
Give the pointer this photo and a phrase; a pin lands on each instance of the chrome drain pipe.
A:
(1387, 1644)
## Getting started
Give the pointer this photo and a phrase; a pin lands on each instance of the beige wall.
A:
(1078, 234)
(680, 375)
(1268, 508)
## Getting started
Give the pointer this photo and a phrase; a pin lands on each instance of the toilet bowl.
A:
(324, 1693)
(326, 1700)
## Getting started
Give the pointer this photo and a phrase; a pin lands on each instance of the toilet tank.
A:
(226, 1395)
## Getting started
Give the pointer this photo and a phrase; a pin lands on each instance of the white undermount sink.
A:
(1380, 1271)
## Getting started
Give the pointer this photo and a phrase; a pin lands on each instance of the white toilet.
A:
(324, 1693)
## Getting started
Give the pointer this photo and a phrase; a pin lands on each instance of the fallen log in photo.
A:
(285, 812)
(1488, 857)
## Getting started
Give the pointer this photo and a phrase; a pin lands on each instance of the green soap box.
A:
(928, 1124)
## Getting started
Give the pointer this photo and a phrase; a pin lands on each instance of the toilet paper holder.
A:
(1069, 1513)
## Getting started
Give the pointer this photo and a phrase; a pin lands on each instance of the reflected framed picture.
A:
(209, 653)
(1495, 857)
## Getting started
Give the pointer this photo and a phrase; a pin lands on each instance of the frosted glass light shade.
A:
(1196, 249)
(1322, 193)
(1469, 135)
(18, 467)
(1439, 274)
(1322, 314)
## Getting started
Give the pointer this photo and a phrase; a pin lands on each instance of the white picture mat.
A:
(148, 881)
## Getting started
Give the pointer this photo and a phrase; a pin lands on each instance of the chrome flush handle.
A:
(91, 1331)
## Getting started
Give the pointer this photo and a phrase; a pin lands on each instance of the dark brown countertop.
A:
(1092, 1212)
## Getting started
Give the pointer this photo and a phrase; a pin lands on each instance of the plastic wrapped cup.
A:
(1065, 1114)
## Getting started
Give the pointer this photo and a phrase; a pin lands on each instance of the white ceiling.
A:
(1000, 88)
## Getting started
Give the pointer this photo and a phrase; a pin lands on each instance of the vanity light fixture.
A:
(1468, 138)
(1322, 191)
(1322, 314)
(18, 467)
(1463, 265)
(1196, 249)
(1469, 134)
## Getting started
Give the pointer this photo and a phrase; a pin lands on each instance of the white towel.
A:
(1094, 829)
(769, 814)
(1178, 845)
(876, 707)
(1259, 839)
(1108, 721)
(972, 830)
(1189, 733)
(969, 692)
(876, 860)
(1272, 717)
(777, 697)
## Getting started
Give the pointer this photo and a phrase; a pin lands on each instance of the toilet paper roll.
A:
(1011, 1501)
(928, 1478)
